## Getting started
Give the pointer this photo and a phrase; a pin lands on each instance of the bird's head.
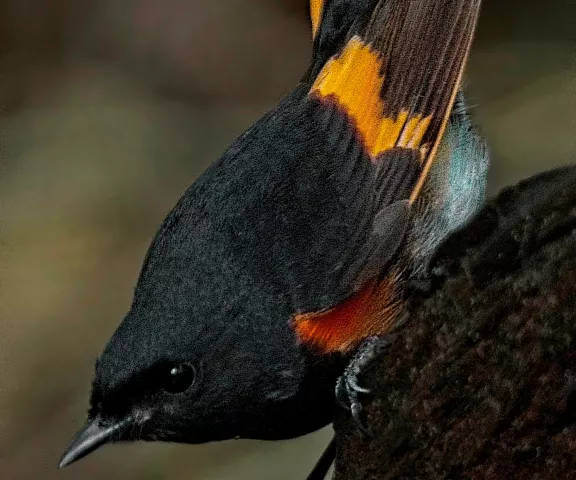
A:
(204, 354)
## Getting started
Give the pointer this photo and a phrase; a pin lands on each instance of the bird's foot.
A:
(348, 388)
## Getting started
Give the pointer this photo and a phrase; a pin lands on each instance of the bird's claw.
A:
(347, 390)
(348, 387)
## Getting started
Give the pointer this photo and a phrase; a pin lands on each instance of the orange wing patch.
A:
(316, 10)
(371, 311)
(354, 82)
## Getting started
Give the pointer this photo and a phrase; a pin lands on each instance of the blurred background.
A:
(108, 110)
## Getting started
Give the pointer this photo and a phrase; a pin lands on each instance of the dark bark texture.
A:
(481, 381)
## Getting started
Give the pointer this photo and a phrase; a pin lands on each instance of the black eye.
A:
(179, 378)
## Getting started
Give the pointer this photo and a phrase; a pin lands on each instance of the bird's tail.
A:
(393, 67)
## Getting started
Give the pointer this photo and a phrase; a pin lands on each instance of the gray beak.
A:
(93, 435)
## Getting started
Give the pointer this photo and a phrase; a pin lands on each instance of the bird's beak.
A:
(93, 435)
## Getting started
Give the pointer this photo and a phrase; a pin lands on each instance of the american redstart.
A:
(289, 258)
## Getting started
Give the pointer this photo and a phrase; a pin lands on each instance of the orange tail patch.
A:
(371, 311)
(396, 79)
(353, 81)
(316, 10)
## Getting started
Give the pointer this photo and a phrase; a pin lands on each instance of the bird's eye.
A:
(180, 378)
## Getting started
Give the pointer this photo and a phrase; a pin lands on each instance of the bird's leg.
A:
(347, 387)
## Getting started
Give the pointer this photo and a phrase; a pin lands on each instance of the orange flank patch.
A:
(316, 7)
(371, 311)
(354, 82)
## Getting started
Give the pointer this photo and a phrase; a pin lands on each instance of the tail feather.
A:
(333, 24)
(316, 11)
(390, 76)
(397, 72)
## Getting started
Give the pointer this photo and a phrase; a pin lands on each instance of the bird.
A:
(284, 268)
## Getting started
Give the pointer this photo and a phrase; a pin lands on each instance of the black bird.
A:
(289, 257)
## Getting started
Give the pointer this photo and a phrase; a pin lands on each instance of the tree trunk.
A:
(481, 381)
